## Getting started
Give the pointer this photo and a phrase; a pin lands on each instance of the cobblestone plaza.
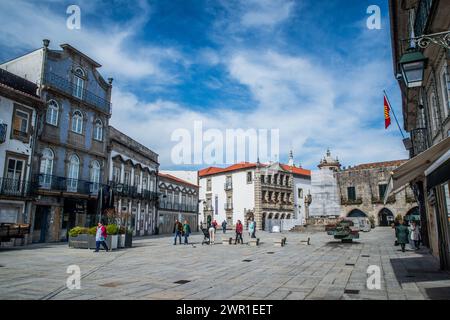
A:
(155, 269)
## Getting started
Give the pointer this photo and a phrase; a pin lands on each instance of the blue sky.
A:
(314, 71)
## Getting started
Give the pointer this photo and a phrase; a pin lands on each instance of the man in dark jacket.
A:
(177, 230)
(402, 234)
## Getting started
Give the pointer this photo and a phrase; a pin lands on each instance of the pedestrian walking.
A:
(177, 230)
(402, 232)
(254, 229)
(224, 226)
(100, 237)
(239, 231)
(415, 234)
(186, 231)
(212, 232)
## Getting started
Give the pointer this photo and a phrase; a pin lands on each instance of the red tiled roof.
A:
(373, 165)
(295, 170)
(173, 178)
(246, 165)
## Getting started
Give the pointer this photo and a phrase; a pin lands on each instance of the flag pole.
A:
(393, 112)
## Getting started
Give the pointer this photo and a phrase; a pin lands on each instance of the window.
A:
(98, 130)
(126, 179)
(208, 184)
(46, 168)
(144, 183)
(51, 116)
(249, 177)
(21, 120)
(300, 193)
(14, 175)
(351, 193)
(77, 122)
(445, 87)
(78, 83)
(74, 167)
(116, 174)
(381, 190)
(95, 176)
(136, 180)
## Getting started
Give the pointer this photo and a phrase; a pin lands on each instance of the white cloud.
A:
(266, 13)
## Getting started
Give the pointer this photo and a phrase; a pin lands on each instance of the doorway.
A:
(385, 217)
(41, 223)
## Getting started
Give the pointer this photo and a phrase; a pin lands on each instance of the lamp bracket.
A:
(441, 39)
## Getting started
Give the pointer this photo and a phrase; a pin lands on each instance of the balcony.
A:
(228, 206)
(14, 187)
(3, 130)
(127, 191)
(228, 186)
(63, 184)
(419, 141)
(380, 200)
(67, 87)
(422, 16)
(207, 207)
(350, 202)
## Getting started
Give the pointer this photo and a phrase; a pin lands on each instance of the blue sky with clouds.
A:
(309, 68)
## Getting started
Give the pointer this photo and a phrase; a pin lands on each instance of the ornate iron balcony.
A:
(64, 184)
(419, 141)
(62, 84)
(14, 187)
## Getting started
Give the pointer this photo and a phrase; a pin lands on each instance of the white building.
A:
(254, 190)
(19, 107)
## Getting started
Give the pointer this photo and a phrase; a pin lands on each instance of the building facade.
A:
(425, 25)
(19, 109)
(133, 177)
(179, 199)
(70, 159)
(358, 192)
(254, 190)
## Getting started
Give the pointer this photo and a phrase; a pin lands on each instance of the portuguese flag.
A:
(387, 110)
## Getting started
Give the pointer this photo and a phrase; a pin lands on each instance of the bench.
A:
(254, 242)
(280, 242)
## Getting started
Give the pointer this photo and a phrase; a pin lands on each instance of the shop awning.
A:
(416, 167)
(439, 171)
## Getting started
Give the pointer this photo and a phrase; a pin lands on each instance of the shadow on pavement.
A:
(441, 293)
(418, 269)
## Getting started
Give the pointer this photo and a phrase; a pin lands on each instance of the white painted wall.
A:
(13, 145)
(28, 66)
(243, 194)
(305, 184)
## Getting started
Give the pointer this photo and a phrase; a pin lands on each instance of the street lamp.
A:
(412, 65)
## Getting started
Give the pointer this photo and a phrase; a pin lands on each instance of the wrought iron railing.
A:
(356, 201)
(419, 140)
(422, 16)
(127, 191)
(14, 187)
(72, 89)
(228, 186)
(64, 184)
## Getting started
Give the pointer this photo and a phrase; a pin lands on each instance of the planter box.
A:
(111, 241)
(79, 242)
(128, 240)
(91, 242)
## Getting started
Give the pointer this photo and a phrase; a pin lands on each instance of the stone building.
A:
(420, 38)
(357, 192)
(246, 190)
(178, 200)
(133, 176)
(70, 157)
(19, 109)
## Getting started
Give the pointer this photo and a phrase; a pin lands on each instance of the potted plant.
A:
(128, 238)
(113, 234)
(78, 238)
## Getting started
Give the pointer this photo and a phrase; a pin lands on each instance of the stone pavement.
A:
(326, 269)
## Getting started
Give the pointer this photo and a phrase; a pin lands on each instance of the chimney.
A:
(46, 43)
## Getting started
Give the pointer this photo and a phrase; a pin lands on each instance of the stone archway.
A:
(276, 216)
(385, 217)
(288, 216)
(356, 213)
(413, 214)
(271, 215)
(282, 216)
